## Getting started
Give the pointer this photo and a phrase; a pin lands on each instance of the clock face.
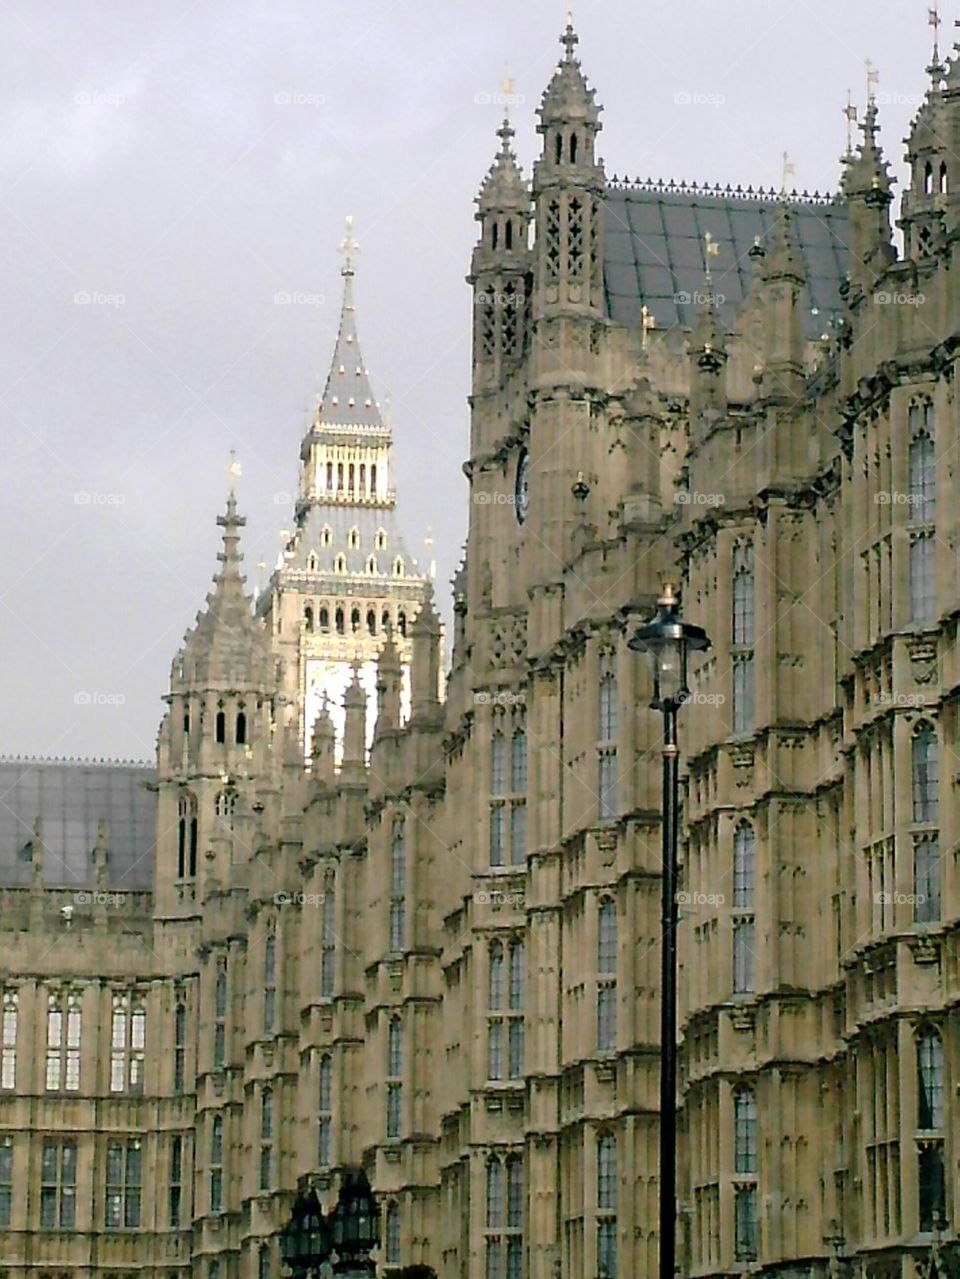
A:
(522, 488)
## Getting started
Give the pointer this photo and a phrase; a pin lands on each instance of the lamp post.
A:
(355, 1223)
(667, 640)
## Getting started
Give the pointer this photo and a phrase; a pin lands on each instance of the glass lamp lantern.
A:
(306, 1242)
(355, 1220)
(667, 641)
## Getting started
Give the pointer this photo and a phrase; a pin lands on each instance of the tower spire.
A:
(936, 68)
(569, 39)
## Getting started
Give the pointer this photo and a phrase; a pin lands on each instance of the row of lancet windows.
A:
(220, 727)
(319, 620)
(371, 566)
(352, 478)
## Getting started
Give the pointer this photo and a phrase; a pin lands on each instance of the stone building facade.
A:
(438, 957)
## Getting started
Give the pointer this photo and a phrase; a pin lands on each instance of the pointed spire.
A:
(226, 641)
(568, 97)
(323, 745)
(569, 39)
(866, 173)
(347, 398)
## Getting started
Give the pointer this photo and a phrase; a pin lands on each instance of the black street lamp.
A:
(355, 1223)
(667, 640)
(306, 1241)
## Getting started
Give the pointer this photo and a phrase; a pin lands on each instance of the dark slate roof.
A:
(71, 797)
(655, 254)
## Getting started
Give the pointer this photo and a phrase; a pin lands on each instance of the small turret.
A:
(568, 186)
(323, 746)
(708, 354)
(425, 664)
(354, 763)
(782, 283)
(867, 186)
(389, 677)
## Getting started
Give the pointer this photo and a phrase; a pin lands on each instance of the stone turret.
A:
(782, 281)
(867, 186)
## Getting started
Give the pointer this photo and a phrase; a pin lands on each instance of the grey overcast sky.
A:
(184, 163)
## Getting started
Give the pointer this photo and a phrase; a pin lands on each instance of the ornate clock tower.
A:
(345, 578)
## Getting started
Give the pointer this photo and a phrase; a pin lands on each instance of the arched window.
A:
(494, 1194)
(308, 617)
(926, 774)
(922, 478)
(398, 567)
(339, 621)
(381, 542)
(363, 475)
(341, 564)
(241, 726)
(928, 179)
(498, 755)
(930, 1088)
(392, 1234)
(371, 564)
(607, 731)
(745, 1131)
(371, 622)
(494, 234)
(398, 885)
(226, 804)
(340, 477)
(312, 562)
(269, 982)
(354, 538)
(187, 836)
(384, 620)
(495, 1000)
(352, 478)
(324, 1111)
(324, 619)
(373, 478)
(220, 1015)
(558, 148)
(509, 233)
(216, 1165)
(607, 1204)
(221, 727)
(926, 879)
(394, 1077)
(574, 147)
(326, 536)
(402, 622)
(944, 182)
(607, 946)
(355, 620)
(330, 477)
(744, 871)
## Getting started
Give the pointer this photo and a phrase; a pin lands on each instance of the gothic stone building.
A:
(432, 950)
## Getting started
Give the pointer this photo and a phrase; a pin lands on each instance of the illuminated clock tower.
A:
(345, 576)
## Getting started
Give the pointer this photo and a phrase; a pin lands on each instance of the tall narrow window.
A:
(123, 1186)
(926, 774)
(176, 1182)
(221, 727)
(518, 805)
(216, 1165)
(269, 982)
(6, 1181)
(179, 1047)
(515, 1011)
(328, 954)
(8, 1039)
(241, 726)
(128, 1033)
(607, 734)
(607, 1205)
(220, 1015)
(186, 836)
(63, 1043)
(324, 1110)
(607, 976)
(930, 1082)
(744, 887)
(921, 513)
(504, 1218)
(498, 758)
(394, 1079)
(926, 879)
(58, 1185)
(495, 1028)
(398, 885)
(745, 1170)
(263, 1262)
(743, 638)
(514, 1226)
(266, 1138)
(392, 1233)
